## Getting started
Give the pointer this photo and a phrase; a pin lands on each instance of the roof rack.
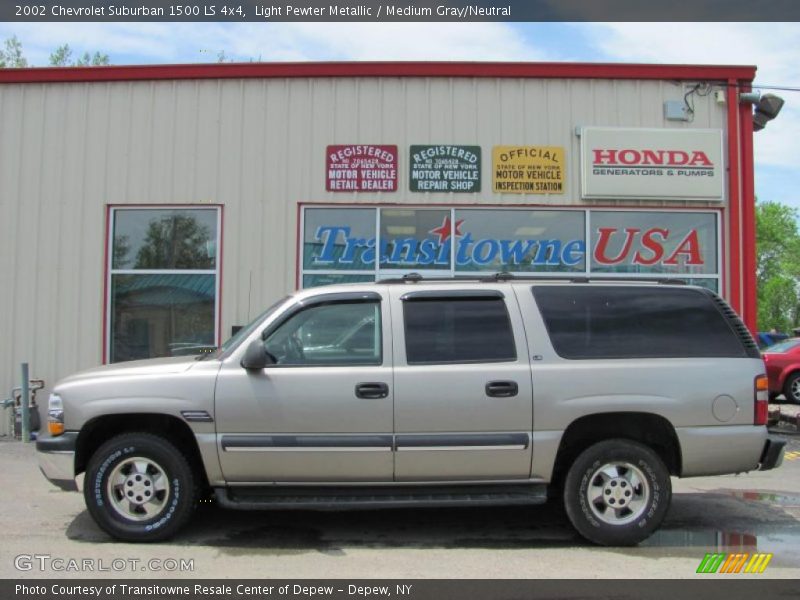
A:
(502, 276)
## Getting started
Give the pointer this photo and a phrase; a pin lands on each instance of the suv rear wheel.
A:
(139, 487)
(617, 492)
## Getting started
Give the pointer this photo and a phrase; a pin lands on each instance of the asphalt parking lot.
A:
(757, 512)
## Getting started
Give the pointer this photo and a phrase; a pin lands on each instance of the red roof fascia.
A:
(378, 69)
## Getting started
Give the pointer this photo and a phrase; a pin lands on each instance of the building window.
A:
(163, 282)
(340, 244)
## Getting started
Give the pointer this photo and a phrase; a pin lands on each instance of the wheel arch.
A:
(650, 429)
(102, 428)
(787, 374)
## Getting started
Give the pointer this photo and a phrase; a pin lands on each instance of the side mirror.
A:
(256, 357)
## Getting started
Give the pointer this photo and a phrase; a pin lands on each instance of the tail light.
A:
(761, 393)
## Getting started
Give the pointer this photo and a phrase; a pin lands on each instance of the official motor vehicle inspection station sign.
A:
(528, 170)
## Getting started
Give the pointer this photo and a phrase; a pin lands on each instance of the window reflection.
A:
(165, 239)
(161, 315)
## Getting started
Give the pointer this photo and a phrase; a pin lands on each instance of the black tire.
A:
(165, 465)
(649, 500)
(791, 388)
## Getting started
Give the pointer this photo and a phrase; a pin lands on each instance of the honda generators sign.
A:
(652, 163)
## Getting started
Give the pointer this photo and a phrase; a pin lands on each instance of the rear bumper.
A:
(57, 459)
(720, 449)
(772, 455)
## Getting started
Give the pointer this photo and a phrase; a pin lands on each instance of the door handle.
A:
(502, 389)
(372, 390)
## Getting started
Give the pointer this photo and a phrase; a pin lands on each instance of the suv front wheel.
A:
(140, 488)
(617, 492)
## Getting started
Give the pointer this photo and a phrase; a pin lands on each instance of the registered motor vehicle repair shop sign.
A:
(445, 168)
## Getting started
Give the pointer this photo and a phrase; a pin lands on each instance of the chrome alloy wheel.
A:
(138, 488)
(618, 493)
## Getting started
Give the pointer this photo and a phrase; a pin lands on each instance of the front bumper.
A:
(57, 459)
(772, 455)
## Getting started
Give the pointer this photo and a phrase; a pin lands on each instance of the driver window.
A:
(343, 333)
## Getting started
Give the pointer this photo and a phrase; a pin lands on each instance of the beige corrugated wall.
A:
(258, 148)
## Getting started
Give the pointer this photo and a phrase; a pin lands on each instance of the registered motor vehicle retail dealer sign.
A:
(528, 169)
(445, 168)
(361, 168)
(652, 163)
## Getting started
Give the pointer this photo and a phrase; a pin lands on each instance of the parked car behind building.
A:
(783, 369)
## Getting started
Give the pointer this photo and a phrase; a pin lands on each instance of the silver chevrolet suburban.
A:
(419, 392)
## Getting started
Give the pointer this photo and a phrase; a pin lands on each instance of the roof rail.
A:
(661, 280)
(502, 276)
(416, 277)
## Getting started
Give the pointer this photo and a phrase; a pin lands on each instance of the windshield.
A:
(784, 346)
(245, 331)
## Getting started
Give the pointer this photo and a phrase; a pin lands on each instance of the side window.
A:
(627, 322)
(342, 333)
(457, 330)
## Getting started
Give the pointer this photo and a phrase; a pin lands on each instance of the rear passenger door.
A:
(463, 403)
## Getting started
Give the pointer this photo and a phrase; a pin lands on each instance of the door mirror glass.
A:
(256, 356)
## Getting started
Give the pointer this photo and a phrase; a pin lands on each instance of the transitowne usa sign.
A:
(652, 163)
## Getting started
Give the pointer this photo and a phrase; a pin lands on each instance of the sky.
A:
(772, 47)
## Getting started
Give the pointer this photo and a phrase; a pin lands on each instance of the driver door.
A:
(324, 411)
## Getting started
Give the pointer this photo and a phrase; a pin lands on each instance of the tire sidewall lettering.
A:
(654, 501)
(99, 494)
(170, 512)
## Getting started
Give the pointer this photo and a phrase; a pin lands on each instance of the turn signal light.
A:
(55, 415)
(761, 393)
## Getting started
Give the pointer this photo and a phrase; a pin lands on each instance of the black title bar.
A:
(381, 11)
(711, 588)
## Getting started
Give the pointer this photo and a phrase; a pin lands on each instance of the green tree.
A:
(777, 266)
(62, 57)
(11, 54)
(175, 242)
(93, 60)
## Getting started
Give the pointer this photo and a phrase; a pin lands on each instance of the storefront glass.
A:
(163, 282)
(654, 242)
(522, 241)
(340, 243)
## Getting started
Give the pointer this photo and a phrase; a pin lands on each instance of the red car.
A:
(783, 369)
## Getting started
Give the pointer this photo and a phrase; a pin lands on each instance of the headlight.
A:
(55, 415)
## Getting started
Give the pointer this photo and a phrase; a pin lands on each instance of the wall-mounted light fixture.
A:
(767, 107)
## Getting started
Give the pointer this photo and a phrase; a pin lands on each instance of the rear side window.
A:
(457, 330)
(628, 322)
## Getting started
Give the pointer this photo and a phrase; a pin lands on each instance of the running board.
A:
(360, 498)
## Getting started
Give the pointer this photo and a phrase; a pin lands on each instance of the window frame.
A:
(111, 211)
